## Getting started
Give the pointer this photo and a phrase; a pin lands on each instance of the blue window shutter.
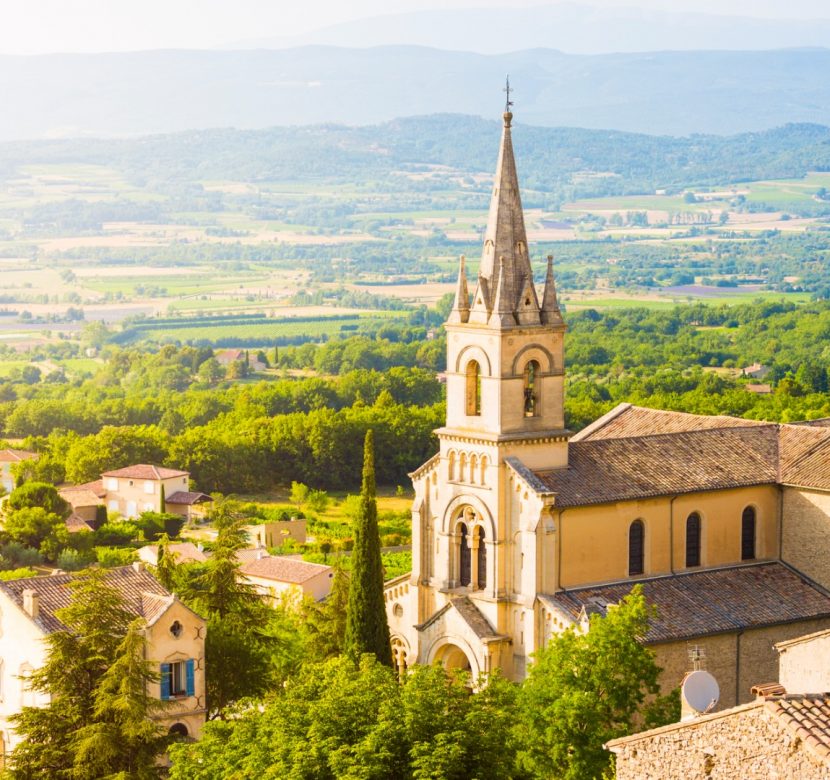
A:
(191, 688)
(165, 682)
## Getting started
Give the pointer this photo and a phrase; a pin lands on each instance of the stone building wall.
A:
(805, 533)
(746, 743)
(758, 659)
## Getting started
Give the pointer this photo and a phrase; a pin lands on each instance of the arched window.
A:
(483, 480)
(748, 534)
(473, 389)
(482, 559)
(473, 469)
(462, 467)
(693, 540)
(451, 466)
(636, 548)
(464, 563)
(531, 392)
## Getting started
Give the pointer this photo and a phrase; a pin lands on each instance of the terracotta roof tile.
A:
(807, 717)
(183, 552)
(187, 498)
(135, 585)
(15, 456)
(623, 469)
(80, 497)
(145, 471)
(283, 569)
(709, 602)
(625, 421)
(76, 524)
(474, 619)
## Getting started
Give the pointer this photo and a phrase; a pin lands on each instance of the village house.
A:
(276, 533)
(136, 489)
(175, 644)
(756, 371)
(521, 529)
(284, 580)
(226, 357)
(180, 552)
(7, 459)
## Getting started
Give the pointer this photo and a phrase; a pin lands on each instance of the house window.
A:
(531, 392)
(451, 466)
(112, 505)
(482, 559)
(748, 534)
(693, 540)
(149, 487)
(465, 561)
(178, 730)
(112, 484)
(177, 680)
(473, 389)
(636, 548)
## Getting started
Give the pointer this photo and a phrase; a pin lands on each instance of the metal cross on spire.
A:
(508, 90)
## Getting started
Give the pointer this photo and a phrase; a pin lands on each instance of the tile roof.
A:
(283, 569)
(183, 552)
(624, 469)
(626, 420)
(143, 595)
(187, 498)
(15, 456)
(713, 601)
(634, 453)
(474, 619)
(75, 524)
(96, 487)
(145, 471)
(80, 497)
(806, 716)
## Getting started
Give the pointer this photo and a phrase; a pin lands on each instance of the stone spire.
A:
(551, 314)
(505, 274)
(461, 307)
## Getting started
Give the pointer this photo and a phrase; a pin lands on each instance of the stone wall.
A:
(805, 537)
(758, 659)
(804, 664)
(746, 743)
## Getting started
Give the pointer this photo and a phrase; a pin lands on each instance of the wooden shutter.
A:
(191, 687)
(165, 682)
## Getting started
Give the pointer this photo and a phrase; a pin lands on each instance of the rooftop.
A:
(143, 595)
(145, 471)
(713, 601)
(283, 569)
(15, 456)
(634, 453)
(187, 498)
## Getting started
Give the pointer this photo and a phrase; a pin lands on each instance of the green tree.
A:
(318, 500)
(325, 621)
(586, 688)
(122, 740)
(367, 630)
(299, 493)
(38, 494)
(37, 528)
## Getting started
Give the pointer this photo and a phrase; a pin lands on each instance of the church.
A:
(521, 529)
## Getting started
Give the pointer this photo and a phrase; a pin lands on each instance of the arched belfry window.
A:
(464, 557)
(531, 392)
(748, 534)
(482, 559)
(473, 388)
(636, 548)
(693, 540)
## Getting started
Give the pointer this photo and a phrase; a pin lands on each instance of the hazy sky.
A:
(40, 26)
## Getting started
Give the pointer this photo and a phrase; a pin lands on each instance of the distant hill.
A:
(164, 91)
(569, 27)
(554, 160)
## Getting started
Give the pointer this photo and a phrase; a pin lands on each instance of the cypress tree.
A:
(162, 500)
(367, 630)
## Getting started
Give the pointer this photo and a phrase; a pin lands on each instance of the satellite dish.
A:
(700, 691)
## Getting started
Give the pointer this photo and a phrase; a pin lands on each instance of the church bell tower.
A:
(505, 347)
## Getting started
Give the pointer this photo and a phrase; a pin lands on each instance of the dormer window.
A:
(176, 629)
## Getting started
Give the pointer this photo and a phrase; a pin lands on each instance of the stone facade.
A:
(804, 662)
(805, 533)
(749, 742)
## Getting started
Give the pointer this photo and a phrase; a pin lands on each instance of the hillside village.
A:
(523, 535)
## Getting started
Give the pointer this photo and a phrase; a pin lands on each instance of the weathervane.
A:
(508, 101)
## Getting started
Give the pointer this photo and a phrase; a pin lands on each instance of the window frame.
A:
(636, 548)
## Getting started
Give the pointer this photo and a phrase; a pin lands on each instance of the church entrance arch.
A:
(454, 654)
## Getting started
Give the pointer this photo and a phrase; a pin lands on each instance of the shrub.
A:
(110, 557)
(72, 560)
(115, 534)
(17, 574)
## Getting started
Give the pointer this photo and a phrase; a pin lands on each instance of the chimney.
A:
(138, 566)
(31, 603)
